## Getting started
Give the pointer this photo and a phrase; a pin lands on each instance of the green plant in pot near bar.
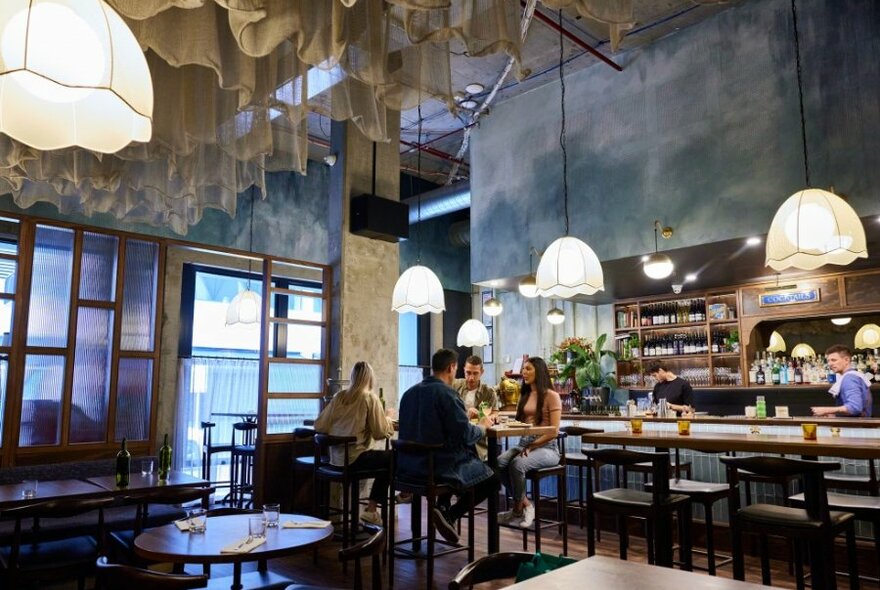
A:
(584, 362)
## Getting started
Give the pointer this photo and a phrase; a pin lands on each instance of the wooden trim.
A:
(295, 394)
(159, 299)
(96, 304)
(110, 431)
(294, 292)
(5, 256)
(70, 353)
(15, 378)
(293, 322)
(276, 359)
(9, 296)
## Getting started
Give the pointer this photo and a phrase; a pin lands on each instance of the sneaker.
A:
(403, 498)
(374, 517)
(528, 518)
(444, 525)
(508, 517)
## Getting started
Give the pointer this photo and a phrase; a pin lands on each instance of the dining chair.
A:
(372, 548)
(489, 568)
(209, 449)
(33, 560)
(111, 576)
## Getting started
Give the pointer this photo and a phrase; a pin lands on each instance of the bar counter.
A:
(840, 422)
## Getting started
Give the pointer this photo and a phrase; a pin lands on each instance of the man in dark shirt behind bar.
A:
(678, 392)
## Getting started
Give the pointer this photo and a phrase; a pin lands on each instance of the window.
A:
(9, 237)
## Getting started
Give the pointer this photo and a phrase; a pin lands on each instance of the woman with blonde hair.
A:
(358, 412)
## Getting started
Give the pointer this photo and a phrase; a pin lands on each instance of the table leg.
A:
(493, 540)
(416, 522)
(236, 576)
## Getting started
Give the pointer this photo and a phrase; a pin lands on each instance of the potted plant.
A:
(585, 363)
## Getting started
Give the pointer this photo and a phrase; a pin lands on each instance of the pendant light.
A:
(777, 344)
(555, 316)
(659, 266)
(868, 336)
(472, 333)
(418, 290)
(492, 307)
(803, 350)
(528, 287)
(568, 267)
(72, 73)
(841, 321)
(245, 307)
(813, 227)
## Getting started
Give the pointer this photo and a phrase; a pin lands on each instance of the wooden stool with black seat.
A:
(430, 489)
(489, 568)
(676, 469)
(579, 461)
(814, 525)
(242, 462)
(110, 576)
(209, 449)
(656, 507)
(371, 547)
(857, 483)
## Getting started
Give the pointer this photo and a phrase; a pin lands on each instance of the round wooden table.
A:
(169, 544)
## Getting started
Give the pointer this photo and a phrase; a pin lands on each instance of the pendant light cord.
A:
(656, 246)
(419, 175)
(251, 236)
(562, 127)
(797, 56)
(373, 190)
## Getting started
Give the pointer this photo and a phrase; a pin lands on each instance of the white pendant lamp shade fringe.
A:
(472, 333)
(418, 290)
(569, 267)
(868, 336)
(244, 308)
(72, 73)
(555, 316)
(812, 228)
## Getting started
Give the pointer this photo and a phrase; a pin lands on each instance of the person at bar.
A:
(851, 389)
(540, 405)
(430, 413)
(357, 411)
(678, 392)
(475, 394)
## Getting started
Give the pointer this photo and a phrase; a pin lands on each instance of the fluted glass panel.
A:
(139, 295)
(98, 267)
(91, 375)
(295, 378)
(305, 341)
(50, 287)
(133, 398)
(287, 414)
(41, 400)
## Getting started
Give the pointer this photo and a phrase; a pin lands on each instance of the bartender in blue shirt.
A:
(851, 389)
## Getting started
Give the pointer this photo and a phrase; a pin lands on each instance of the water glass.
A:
(148, 466)
(198, 520)
(29, 488)
(270, 515)
(256, 527)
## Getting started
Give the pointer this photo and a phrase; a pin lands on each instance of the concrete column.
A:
(363, 327)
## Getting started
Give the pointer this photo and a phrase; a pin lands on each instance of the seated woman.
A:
(358, 412)
(539, 405)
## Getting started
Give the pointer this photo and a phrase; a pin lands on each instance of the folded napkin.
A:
(305, 524)
(244, 545)
(182, 524)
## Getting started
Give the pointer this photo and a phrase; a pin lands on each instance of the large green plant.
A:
(586, 364)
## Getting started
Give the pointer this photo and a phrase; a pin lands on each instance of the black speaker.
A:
(378, 218)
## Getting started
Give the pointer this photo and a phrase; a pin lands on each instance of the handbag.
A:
(541, 564)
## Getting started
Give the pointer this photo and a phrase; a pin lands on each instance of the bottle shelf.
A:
(725, 354)
(661, 327)
(667, 357)
(723, 322)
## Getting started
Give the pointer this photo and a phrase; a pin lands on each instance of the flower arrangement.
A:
(559, 355)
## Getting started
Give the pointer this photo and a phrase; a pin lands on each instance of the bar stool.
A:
(209, 449)
(579, 461)
(856, 483)
(242, 462)
(814, 524)
(430, 489)
(656, 507)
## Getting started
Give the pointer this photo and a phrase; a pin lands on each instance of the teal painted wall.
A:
(450, 263)
(700, 130)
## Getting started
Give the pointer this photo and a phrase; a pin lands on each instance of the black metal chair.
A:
(814, 525)
(489, 568)
(242, 462)
(371, 547)
(111, 576)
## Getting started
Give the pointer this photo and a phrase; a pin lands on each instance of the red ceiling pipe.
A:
(432, 151)
(573, 38)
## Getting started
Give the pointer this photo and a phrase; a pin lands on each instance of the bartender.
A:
(678, 393)
(851, 388)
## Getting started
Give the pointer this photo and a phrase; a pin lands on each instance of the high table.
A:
(493, 435)
(138, 481)
(614, 574)
(168, 543)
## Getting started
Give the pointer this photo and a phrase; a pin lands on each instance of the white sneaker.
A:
(528, 516)
(373, 517)
(508, 517)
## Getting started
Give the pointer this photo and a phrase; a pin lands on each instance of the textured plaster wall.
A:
(450, 263)
(701, 129)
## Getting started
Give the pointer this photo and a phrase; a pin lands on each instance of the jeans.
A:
(513, 466)
(378, 461)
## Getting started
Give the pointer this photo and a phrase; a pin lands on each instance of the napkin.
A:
(305, 524)
(182, 524)
(244, 545)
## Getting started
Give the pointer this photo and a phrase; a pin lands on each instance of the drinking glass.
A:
(684, 427)
(148, 466)
(809, 431)
(198, 520)
(270, 514)
(256, 527)
(29, 488)
(636, 424)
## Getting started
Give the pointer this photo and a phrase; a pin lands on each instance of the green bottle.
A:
(123, 466)
(164, 460)
(382, 397)
(482, 410)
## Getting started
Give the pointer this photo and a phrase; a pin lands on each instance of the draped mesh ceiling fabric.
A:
(234, 81)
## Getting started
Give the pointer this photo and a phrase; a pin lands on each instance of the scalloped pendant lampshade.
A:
(569, 267)
(72, 73)
(472, 333)
(244, 308)
(418, 290)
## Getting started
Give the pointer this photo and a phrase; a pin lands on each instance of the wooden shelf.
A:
(630, 329)
(658, 327)
(675, 357)
(725, 354)
(723, 322)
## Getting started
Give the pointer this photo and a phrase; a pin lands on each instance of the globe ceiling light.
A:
(656, 265)
(244, 308)
(472, 333)
(418, 290)
(492, 307)
(841, 321)
(528, 287)
(72, 73)
(555, 316)
(569, 267)
(868, 336)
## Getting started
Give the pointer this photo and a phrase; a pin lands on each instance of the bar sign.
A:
(789, 297)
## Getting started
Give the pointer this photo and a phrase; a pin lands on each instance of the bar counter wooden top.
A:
(840, 422)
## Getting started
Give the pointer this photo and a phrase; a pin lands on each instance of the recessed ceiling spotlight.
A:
(690, 277)
(468, 104)
(753, 241)
(474, 88)
(841, 321)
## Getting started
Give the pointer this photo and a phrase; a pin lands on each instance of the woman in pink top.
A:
(540, 405)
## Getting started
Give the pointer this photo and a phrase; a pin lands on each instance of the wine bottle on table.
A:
(123, 466)
(164, 460)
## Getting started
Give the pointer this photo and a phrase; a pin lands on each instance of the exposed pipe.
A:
(460, 233)
(433, 151)
(440, 201)
(575, 39)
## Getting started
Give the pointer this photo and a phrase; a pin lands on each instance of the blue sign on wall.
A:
(789, 297)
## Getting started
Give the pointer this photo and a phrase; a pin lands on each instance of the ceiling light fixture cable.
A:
(562, 129)
(800, 80)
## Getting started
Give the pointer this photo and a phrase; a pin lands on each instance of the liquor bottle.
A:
(798, 374)
(790, 372)
(774, 374)
(123, 466)
(753, 372)
(783, 372)
(760, 377)
(164, 460)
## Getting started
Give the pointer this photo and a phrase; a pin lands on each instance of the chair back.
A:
(411, 447)
(624, 458)
(580, 430)
(811, 473)
(371, 547)
(323, 442)
(497, 566)
(111, 576)
(248, 433)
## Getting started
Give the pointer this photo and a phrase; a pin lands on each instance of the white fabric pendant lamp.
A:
(472, 333)
(246, 307)
(568, 267)
(813, 227)
(418, 290)
(72, 73)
